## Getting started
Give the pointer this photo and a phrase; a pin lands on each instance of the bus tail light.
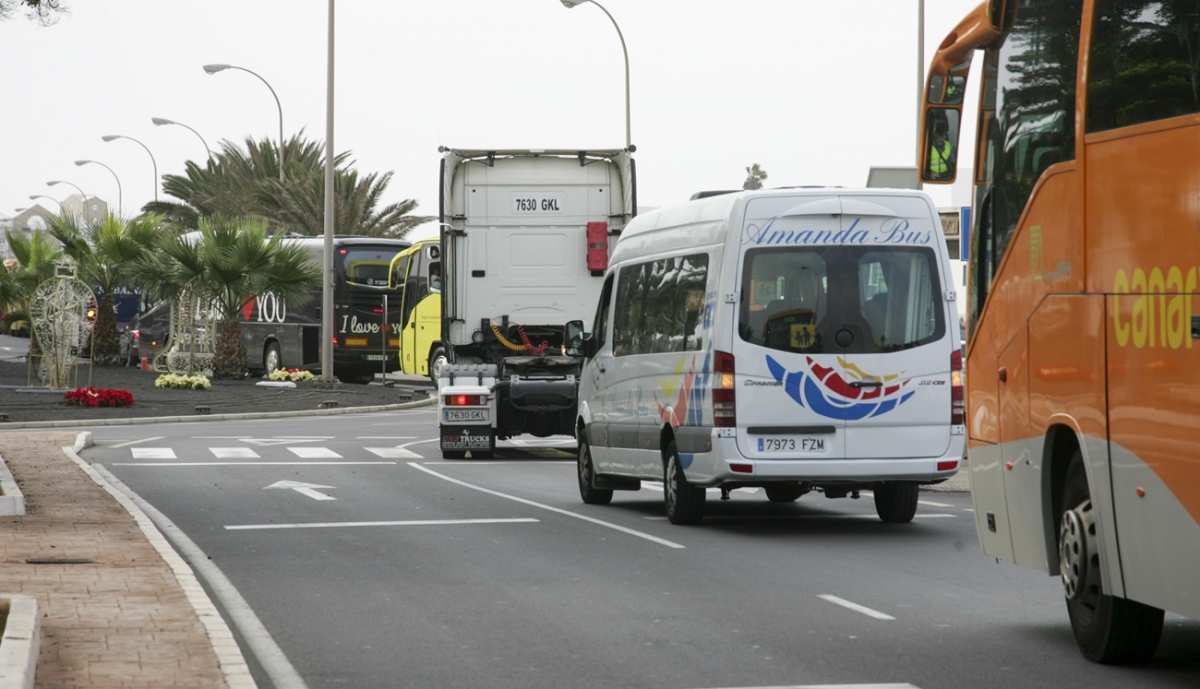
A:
(958, 403)
(464, 400)
(724, 396)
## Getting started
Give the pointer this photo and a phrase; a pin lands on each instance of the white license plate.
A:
(792, 443)
(375, 357)
(450, 415)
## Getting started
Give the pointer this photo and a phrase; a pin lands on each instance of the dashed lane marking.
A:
(152, 453)
(855, 607)
(233, 453)
(393, 453)
(314, 453)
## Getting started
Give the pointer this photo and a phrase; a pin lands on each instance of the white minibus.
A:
(791, 340)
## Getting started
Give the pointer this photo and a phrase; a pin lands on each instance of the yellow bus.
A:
(416, 271)
(1083, 360)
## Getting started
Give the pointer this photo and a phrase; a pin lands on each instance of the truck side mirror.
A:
(575, 339)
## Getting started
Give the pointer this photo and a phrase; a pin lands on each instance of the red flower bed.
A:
(91, 397)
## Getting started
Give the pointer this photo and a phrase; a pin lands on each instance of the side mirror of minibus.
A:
(575, 340)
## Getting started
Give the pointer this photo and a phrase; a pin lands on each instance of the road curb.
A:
(12, 501)
(20, 642)
(229, 654)
(218, 417)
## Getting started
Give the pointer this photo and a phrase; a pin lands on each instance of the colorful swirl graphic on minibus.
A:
(687, 390)
(827, 393)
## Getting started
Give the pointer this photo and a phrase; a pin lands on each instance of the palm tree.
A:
(754, 177)
(228, 262)
(106, 251)
(35, 255)
(245, 183)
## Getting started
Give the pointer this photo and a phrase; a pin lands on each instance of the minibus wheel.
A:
(1107, 629)
(685, 502)
(896, 502)
(587, 472)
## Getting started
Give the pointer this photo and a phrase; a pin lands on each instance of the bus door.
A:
(421, 314)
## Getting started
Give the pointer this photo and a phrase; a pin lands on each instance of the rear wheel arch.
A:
(1061, 444)
(666, 436)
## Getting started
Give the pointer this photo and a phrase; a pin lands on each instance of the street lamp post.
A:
(112, 137)
(33, 197)
(81, 194)
(625, 52)
(114, 174)
(920, 77)
(160, 121)
(327, 377)
(213, 69)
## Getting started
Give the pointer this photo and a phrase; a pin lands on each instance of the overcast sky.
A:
(815, 91)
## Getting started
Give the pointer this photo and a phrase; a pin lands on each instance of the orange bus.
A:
(1083, 358)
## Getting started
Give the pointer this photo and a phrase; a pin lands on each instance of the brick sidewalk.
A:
(121, 620)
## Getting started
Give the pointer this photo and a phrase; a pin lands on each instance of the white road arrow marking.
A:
(308, 489)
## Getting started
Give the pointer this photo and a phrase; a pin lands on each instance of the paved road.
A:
(373, 563)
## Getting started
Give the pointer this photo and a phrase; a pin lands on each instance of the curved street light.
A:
(33, 197)
(113, 137)
(213, 69)
(82, 195)
(573, 3)
(160, 121)
(114, 174)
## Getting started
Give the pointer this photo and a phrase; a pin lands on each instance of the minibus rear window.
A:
(796, 299)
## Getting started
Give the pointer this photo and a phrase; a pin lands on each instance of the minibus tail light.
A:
(724, 407)
(958, 403)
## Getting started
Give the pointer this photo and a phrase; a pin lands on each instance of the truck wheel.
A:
(453, 454)
(587, 472)
(437, 359)
(271, 358)
(896, 503)
(1107, 629)
(685, 502)
(784, 493)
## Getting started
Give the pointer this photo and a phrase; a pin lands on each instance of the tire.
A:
(587, 471)
(784, 493)
(896, 502)
(685, 502)
(272, 357)
(1108, 630)
(437, 359)
(453, 454)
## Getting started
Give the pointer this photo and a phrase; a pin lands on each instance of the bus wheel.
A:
(587, 471)
(685, 502)
(784, 493)
(1107, 629)
(896, 503)
(437, 359)
(271, 358)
